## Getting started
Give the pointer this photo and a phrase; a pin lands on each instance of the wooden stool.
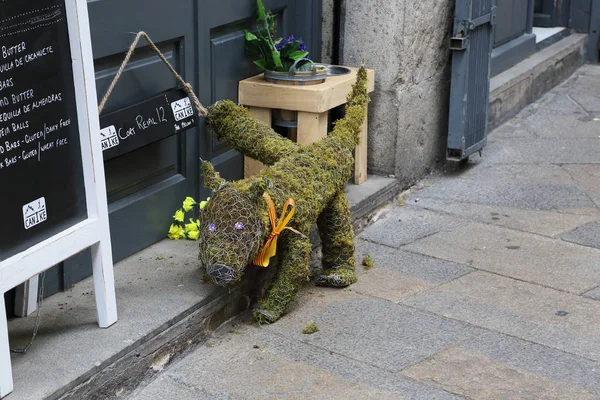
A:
(312, 104)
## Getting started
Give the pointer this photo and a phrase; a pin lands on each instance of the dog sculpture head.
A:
(232, 226)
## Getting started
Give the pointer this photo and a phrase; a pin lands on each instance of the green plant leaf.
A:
(250, 36)
(261, 64)
(297, 55)
(276, 57)
(261, 10)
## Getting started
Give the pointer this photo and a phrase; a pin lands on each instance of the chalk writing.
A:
(159, 117)
(40, 150)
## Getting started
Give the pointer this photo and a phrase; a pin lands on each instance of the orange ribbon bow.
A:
(270, 247)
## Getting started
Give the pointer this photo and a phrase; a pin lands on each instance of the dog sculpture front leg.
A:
(293, 271)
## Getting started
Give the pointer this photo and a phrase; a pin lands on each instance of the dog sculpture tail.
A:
(348, 128)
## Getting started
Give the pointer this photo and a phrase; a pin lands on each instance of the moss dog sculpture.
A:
(238, 226)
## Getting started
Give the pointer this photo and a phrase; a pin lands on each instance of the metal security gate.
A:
(204, 41)
(471, 44)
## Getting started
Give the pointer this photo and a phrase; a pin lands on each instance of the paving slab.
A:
(560, 122)
(589, 70)
(547, 223)
(371, 330)
(532, 258)
(541, 315)
(165, 387)
(538, 359)
(246, 361)
(584, 90)
(587, 235)
(498, 366)
(531, 187)
(537, 151)
(587, 177)
(561, 103)
(398, 274)
(479, 377)
(402, 225)
(514, 129)
(593, 294)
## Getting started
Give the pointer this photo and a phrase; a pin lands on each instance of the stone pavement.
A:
(486, 285)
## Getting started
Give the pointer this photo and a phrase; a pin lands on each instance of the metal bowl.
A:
(336, 70)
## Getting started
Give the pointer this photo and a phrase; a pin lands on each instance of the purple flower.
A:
(238, 226)
(282, 43)
(302, 47)
(291, 38)
(212, 228)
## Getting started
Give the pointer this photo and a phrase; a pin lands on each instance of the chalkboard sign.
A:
(166, 114)
(52, 184)
(41, 173)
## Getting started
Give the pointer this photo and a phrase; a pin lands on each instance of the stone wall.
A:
(406, 42)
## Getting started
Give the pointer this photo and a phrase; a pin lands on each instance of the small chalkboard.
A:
(166, 114)
(52, 184)
(41, 173)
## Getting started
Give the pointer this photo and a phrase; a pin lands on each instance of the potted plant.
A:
(284, 60)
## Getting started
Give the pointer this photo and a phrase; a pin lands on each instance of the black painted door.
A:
(203, 39)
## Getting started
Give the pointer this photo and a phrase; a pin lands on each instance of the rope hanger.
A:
(202, 111)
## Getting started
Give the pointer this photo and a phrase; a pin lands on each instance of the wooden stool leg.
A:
(311, 127)
(360, 154)
(6, 382)
(290, 116)
(251, 166)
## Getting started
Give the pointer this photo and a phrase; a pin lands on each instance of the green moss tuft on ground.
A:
(310, 328)
(368, 262)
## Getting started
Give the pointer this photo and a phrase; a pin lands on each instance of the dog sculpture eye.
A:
(238, 226)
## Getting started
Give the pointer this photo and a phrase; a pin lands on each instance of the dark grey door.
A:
(550, 13)
(145, 186)
(203, 39)
(472, 41)
(511, 20)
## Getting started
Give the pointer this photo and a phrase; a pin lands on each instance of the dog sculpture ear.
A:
(212, 179)
(258, 188)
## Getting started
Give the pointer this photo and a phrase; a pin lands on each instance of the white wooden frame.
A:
(94, 231)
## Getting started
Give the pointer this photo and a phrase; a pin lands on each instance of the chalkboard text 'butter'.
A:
(41, 172)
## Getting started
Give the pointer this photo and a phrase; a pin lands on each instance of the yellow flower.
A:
(188, 204)
(193, 235)
(176, 232)
(179, 216)
(192, 226)
(204, 203)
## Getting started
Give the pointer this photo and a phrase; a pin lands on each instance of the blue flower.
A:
(212, 228)
(302, 47)
(239, 226)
